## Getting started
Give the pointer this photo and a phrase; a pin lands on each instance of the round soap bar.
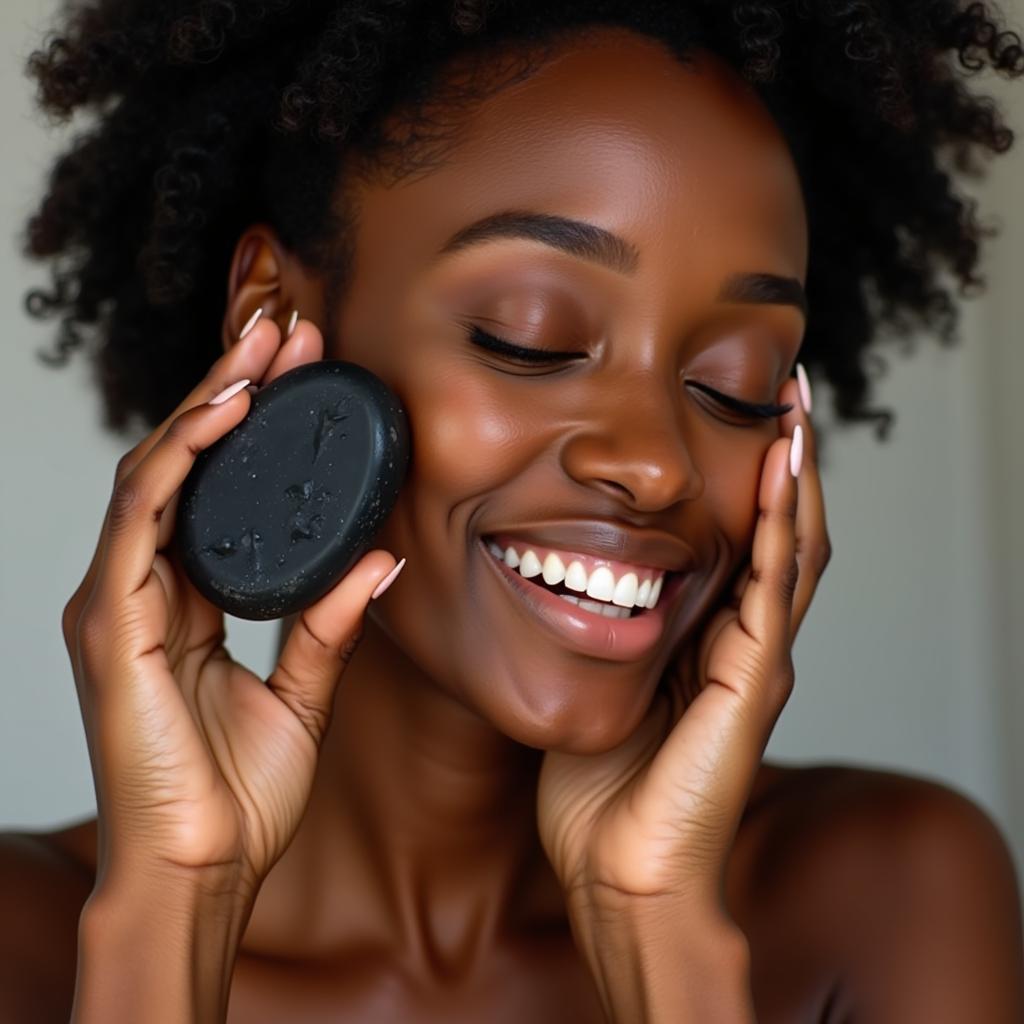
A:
(277, 511)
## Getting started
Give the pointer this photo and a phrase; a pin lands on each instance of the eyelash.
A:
(537, 356)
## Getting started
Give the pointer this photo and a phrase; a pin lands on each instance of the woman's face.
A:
(605, 208)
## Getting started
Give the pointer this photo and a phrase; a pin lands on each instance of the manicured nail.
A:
(291, 324)
(388, 580)
(250, 323)
(796, 450)
(805, 386)
(229, 392)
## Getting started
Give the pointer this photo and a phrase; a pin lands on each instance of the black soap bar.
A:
(274, 514)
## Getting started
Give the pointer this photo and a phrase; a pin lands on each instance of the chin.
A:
(578, 710)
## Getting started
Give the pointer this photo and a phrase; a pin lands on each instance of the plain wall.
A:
(910, 658)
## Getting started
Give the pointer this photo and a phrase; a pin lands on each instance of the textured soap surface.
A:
(273, 515)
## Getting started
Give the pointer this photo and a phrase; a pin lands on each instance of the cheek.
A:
(731, 493)
(468, 446)
(466, 441)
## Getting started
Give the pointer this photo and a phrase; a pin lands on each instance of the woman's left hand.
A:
(656, 816)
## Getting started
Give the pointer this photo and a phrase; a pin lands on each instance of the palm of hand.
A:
(233, 763)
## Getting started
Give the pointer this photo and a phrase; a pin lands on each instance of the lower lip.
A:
(589, 633)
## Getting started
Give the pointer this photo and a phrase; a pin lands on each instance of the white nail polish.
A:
(805, 386)
(291, 324)
(250, 323)
(229, 392)
(796, 451)
(388, 580)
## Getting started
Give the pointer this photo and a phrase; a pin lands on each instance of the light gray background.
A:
(910, 659)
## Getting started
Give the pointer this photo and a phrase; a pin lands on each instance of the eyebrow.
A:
(598, 245)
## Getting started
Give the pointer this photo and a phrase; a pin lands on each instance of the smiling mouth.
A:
(595, 586)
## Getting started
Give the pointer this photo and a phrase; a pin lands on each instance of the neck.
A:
(421, 825)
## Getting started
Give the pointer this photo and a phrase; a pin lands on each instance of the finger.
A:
(322, 642)
(813, 548)
(766, 605)
(706, 766)
(141, 497)
(248, 359)
(304, 345)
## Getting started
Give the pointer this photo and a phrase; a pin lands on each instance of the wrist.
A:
(158, 948)
(656, 959)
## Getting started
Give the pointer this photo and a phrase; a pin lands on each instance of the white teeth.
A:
(601, 584)
(625, 591)
(624, 594)
(609, 611)
(576, 577)
(530, 565)
(554, 570)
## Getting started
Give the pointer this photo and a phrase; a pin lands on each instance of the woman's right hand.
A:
(202, 769)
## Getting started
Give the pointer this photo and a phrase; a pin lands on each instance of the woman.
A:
(585, 244)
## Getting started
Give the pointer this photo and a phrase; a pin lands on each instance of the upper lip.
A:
(652, 548)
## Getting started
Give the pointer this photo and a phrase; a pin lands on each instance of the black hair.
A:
(210, 115)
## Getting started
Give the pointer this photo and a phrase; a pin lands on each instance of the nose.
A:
(630, 445)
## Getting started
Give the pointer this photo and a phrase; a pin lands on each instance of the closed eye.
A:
(526, 355)
(752, 409)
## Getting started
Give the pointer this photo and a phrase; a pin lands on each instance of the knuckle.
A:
(348, 648)
(784, 680)
(316, 720)
(293, 691)
(823, 555)
(125, 502)
(178, 434)
(125, 465)
(92, 631)
(174, 435)
(788, 581)
(70, 616)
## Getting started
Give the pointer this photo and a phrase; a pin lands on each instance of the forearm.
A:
(655, 963)
(158, 953)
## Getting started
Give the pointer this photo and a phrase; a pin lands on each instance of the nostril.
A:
(618, 490)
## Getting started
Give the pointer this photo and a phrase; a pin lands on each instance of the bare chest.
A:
(543, 984)
(548, 984)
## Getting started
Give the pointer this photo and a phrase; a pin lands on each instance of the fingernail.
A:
(291, 324)
(796, 450)
(805, 386)
(250, 323)
(229, 392)
(387, 581)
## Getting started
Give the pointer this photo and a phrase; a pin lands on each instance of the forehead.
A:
(613, 129)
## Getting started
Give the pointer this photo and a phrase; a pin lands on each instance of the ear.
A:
(264, 274)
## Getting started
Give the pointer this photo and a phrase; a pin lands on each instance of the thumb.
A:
(323, 640)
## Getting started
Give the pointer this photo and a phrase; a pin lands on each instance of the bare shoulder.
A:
(43, 885)
(902, 892)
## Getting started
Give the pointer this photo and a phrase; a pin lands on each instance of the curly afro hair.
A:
(200, 106)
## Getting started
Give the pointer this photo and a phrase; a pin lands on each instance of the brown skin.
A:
(429, 878)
